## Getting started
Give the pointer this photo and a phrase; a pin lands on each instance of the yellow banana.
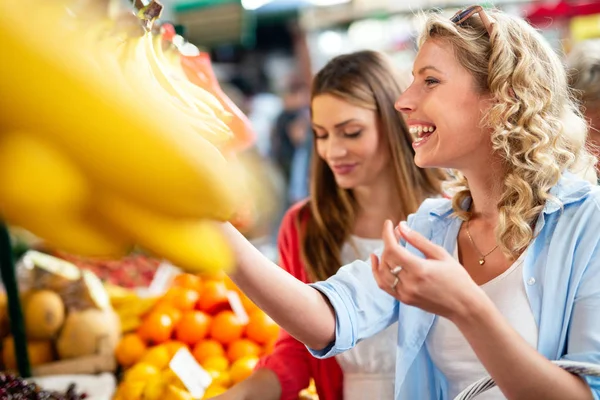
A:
(130, 324)
(194, 245)
(134, 305)
(29, 167)
(133, 147)
(162, 76)
(100, 148)
(197, 93)
(139, 74)
(43, 191)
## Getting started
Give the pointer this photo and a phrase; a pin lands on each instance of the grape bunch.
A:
(15, 388)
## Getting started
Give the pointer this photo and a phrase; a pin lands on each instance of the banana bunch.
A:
(129, 306)
(103, 143)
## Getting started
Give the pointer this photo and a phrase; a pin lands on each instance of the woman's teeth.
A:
(419, 130)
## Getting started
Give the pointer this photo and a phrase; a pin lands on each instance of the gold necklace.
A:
(483, 256)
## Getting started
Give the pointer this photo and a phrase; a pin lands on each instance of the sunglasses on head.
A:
(463, 15)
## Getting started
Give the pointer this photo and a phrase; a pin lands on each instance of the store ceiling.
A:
(214, 22)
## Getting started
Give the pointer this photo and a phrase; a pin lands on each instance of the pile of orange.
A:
(195, 313)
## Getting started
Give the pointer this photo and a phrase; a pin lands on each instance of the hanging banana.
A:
(105, 145)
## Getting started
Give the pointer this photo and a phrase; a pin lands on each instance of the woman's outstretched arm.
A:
(301, 310)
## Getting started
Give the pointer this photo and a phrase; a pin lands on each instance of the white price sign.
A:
(194, 377)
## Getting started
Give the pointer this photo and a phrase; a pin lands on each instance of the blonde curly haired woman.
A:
(500, 279)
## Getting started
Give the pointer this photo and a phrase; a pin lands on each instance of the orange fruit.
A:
(214, 297)
(206, 349)
(230, 285)
(171, 311)
(141, 372)
(174, 346)
(226, 327)
(248, 304)
(242, 368)
(188, 281)
(156, 327)
(216, 363)
(181, 298)
(158, 356)
(219, 378)
(193, 327)
(242, 348)
(261, 328)
(130, 350)
(132, 390)
(214, 391)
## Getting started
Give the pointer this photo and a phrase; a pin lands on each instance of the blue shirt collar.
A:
(569, 189)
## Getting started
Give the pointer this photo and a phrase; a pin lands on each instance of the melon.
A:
(40, 352)
(44, 313)
(88, 332)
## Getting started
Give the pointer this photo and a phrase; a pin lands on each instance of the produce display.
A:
(125, 148)
(14, 388)
(208, 316)
(131, 271)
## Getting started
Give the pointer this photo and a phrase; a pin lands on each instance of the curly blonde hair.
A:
(532, 100)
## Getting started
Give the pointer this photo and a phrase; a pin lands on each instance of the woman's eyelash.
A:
(353, 134)
(431, 81)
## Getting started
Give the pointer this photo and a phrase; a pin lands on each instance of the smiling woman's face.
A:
(349, 141)
(444, 109)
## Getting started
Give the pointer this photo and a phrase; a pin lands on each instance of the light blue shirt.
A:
(561, 274)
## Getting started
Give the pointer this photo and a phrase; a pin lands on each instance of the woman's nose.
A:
(405, 102)
(336, 149)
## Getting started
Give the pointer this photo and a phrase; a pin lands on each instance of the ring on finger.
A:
(395, 283)
(396, 270)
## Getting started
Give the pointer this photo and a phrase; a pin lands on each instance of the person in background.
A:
(499, 280)
(584, 76)
(291, 129)
(362, 174)
(300, 133)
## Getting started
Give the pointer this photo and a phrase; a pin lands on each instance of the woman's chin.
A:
(422, 162)
(345, 182)
(426, 161)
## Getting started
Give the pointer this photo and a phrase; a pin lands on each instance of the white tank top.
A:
(369, 368)
(452, 354)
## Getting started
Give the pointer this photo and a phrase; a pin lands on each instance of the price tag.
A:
(163, 277)
(194, 377)
(238, 308)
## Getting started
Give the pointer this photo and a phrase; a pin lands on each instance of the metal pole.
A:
(15, 312)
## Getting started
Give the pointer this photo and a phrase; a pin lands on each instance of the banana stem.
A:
(15, 312)
(150, 13)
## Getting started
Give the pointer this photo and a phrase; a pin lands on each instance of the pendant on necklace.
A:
(482, 261)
